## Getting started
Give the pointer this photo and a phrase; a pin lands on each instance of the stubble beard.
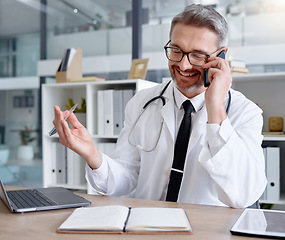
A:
(194, 87)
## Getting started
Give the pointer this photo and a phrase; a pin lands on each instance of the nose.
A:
(185, 63)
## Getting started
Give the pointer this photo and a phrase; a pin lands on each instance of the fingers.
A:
(74, 121)
(215, 62)
(65, 136)
(64, 133)
(58, 116)
(218, 67)
(219, 75)
(60, 123)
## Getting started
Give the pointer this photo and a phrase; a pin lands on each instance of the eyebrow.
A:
(195, 50)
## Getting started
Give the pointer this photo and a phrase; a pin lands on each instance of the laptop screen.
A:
(4, 196)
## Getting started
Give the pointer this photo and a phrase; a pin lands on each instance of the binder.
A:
(53, 162)
(72, 52)
(264, 195)
(111, 110)
(272, 156)
(118, 111)
(108, 112)
(100, 112)
(127, 95)
(59, 152)
(63, 64)
(75, 168)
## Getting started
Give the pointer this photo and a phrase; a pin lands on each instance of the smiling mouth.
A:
(186, 74)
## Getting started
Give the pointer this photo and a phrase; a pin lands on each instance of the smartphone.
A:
(222, 54)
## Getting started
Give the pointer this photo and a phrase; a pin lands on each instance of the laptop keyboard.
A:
(29, 198)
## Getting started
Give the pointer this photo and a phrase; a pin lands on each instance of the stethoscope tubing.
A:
(160, 96)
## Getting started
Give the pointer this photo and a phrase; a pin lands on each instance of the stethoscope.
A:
(162, 98)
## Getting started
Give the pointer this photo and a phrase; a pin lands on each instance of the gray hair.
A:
(203, 16)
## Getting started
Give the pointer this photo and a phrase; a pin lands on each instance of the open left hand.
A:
(77, 139)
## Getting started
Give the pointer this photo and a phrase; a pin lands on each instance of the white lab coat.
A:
(234, 176)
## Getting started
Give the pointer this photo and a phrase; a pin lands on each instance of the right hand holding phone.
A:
(220, 79)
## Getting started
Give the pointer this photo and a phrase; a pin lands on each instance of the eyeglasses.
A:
(175, 54)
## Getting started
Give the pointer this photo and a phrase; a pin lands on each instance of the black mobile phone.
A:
(222, 54)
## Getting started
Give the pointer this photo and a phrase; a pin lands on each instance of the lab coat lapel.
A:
(167, 111)
(198, 127)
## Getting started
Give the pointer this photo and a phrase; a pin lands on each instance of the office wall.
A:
(108, 42)
(264, 28)
(244, 31)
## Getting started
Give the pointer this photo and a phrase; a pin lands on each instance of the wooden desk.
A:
(208, 222)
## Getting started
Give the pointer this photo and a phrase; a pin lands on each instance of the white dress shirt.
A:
(224, 164)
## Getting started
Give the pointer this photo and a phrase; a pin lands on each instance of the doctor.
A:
(224, 164)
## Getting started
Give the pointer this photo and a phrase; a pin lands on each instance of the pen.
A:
(53, 131)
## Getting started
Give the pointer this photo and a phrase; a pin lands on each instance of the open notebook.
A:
(121, 219)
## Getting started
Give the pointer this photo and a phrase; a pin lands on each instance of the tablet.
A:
(260, 222)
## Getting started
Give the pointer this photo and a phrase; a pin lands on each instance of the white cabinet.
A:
(268, 91)
(56, 165)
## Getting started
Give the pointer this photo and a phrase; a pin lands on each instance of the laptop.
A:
(260, 223)
(39, 199)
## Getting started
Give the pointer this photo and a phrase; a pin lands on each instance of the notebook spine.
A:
(127, 219)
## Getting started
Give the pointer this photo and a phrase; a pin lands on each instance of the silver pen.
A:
(53, 131)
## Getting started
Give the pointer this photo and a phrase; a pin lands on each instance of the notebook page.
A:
(158, 219)
(96, 218)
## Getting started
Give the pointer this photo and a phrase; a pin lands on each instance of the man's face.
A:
(188, 78)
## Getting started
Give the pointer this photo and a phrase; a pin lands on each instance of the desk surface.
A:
(208, 222)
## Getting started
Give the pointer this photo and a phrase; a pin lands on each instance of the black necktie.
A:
(180, 150)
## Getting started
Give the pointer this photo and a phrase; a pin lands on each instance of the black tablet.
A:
(260, 222)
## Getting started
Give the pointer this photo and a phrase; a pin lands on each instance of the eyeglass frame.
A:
(187, 54)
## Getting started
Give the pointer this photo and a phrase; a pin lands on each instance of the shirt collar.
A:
(197, 101)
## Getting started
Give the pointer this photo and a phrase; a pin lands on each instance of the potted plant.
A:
(25, 151)
(80, 111)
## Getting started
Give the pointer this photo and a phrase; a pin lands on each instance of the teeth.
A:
(186, 74)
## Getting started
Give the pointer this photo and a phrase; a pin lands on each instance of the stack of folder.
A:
(111, 108)
(272, 170)
(67, 167)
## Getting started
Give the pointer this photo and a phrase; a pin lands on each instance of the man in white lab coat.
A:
(224, 164)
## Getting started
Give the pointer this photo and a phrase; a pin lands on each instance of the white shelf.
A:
(58, 94)
(267, 90)
(273, 76)
(273, 137)
(281, 200)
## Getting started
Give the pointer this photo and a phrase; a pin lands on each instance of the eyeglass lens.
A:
(176, 55)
